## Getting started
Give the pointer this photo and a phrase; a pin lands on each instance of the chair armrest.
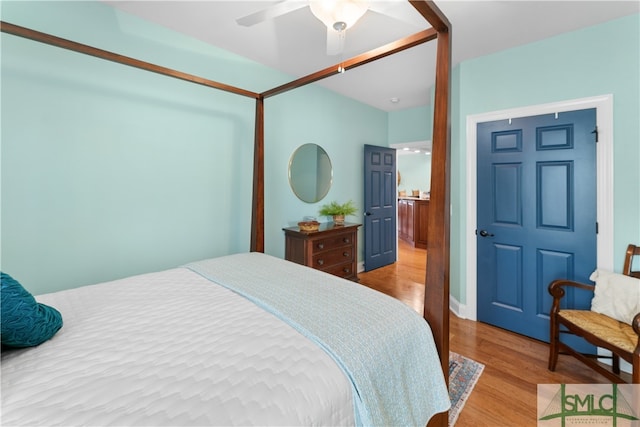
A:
(556, 288)
(557, 291)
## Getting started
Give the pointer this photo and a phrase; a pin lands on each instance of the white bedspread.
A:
(384, 347)
(170, 348)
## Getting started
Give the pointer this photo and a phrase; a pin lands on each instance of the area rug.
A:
(463, 376)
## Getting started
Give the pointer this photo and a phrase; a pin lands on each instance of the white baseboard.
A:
(458, 309)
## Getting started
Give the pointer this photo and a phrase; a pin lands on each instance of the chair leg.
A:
(615, 364)
(554, 336)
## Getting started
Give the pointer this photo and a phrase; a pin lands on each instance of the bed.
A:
(21, 369)
(245, 339)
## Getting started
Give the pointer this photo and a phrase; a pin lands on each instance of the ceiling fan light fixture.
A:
(339, 26)
(341, 13)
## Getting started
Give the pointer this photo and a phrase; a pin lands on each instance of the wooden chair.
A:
(622, 339)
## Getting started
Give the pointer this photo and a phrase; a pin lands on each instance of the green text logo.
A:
(589, 404)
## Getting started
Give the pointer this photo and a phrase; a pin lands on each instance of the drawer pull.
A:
(320, 245)
(346, 270)
(345, 254)
(320, 261)
(346, 240)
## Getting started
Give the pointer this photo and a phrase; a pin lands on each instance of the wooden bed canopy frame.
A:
(436, 302)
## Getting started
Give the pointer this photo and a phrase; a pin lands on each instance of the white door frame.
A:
(604, 187)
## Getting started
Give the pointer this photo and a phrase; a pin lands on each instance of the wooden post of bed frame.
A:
(436, 298)
(257, 211)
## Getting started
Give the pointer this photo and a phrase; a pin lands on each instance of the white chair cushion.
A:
(616, 295)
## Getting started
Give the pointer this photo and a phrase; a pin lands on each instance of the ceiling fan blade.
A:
(271, 12)
(335, 42)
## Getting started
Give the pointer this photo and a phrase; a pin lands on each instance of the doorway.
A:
(604, 188)
(379, 206)
(536, 216)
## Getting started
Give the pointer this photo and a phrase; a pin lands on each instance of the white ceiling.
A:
(295, 43)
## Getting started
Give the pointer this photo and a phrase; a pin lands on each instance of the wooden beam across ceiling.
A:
(370, 56)
(49, 39)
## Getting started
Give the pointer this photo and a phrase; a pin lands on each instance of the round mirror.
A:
(310, 173)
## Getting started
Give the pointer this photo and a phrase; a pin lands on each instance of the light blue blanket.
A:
(385, 348)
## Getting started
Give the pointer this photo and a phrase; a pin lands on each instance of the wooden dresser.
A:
(333, 248)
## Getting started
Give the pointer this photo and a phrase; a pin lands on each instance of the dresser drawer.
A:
(341, 270)
(333, 242)
(334, 256)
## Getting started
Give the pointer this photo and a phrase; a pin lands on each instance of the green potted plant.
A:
(338, 211)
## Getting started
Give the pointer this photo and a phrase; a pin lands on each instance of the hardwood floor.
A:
(506, 394)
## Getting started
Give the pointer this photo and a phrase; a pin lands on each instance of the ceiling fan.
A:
(337, 15)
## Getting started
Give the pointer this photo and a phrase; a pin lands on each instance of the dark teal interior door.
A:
(380, 237)
(536, 217)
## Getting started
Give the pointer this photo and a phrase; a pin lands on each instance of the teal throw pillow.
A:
(25, 322)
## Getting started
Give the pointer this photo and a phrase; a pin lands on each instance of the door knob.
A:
(368, 213)
(484, 233)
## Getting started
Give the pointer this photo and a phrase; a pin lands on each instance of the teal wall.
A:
(342, 127)
(415, 172)
(412, 125)
(603, 59)
(109, 171)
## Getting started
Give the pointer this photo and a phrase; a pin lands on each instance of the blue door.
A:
(536, 216)
(379, 206)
